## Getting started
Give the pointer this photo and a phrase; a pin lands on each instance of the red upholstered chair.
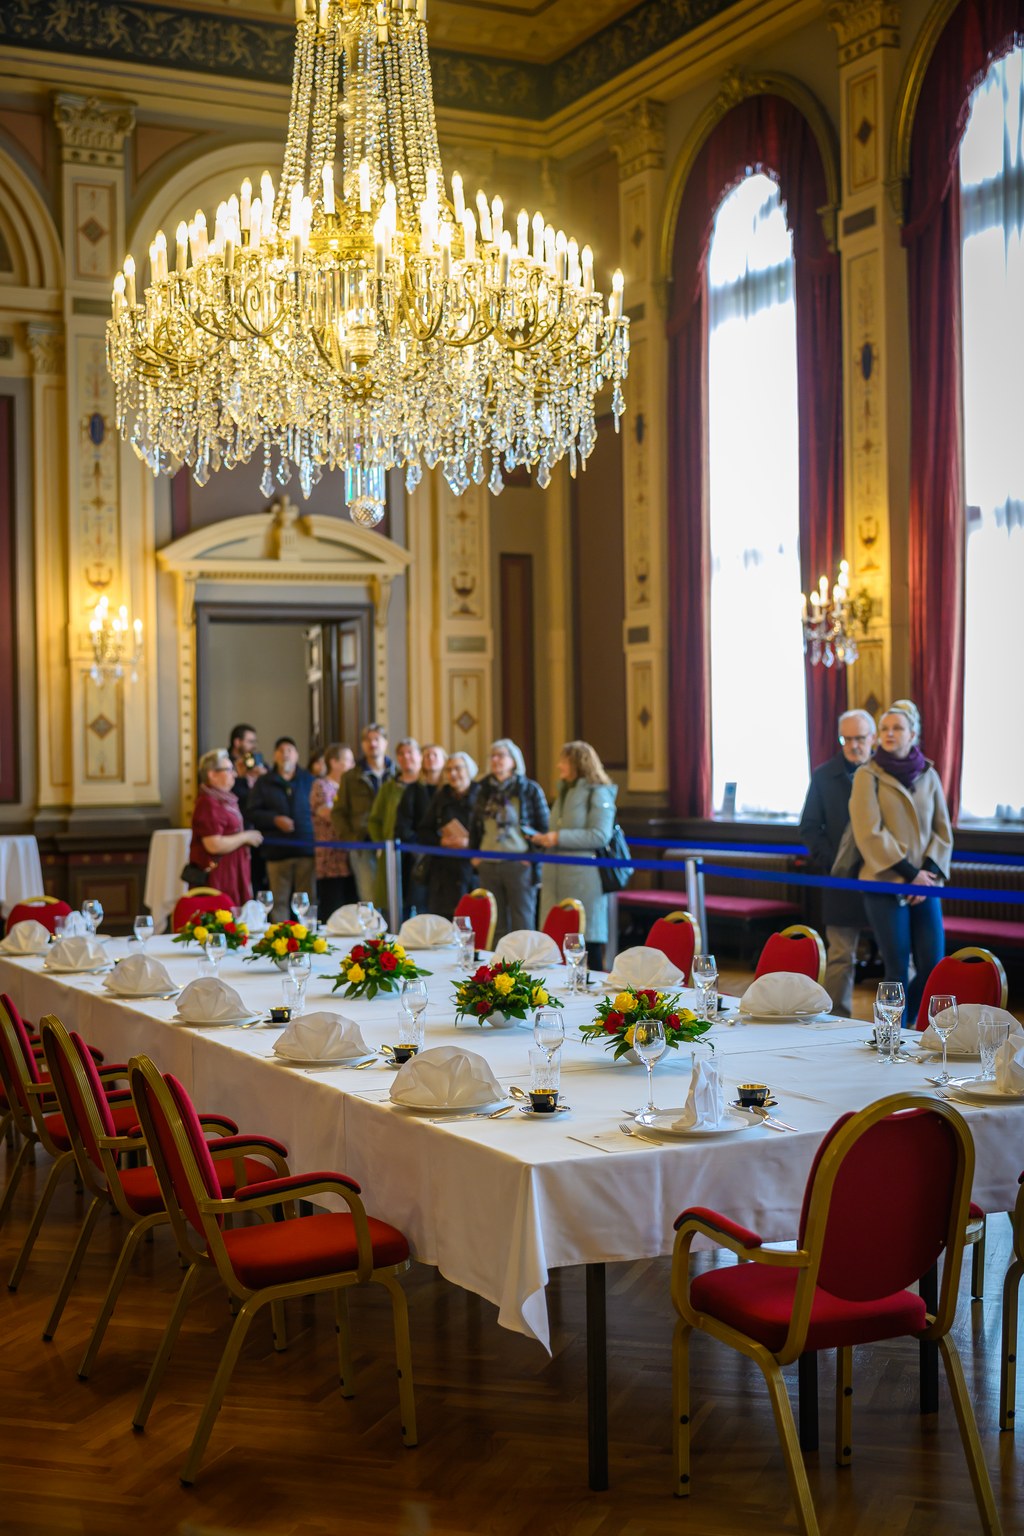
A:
(41, 909)
(677, 935)
(1011, 1298)
(798, 949)
(971, 975)
(134, 1193)
(568, 916)
(33, 1105)
(201, 898)
(262, 1265)
(482, 910)
(864, 1239)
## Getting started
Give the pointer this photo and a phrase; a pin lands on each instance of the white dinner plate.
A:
(796, 1017)
(450, 1109)
(934, 1053)
(661, 1124)
(243, 1018)
(78, 970)
(321, 1061)
(976, 1090)
(131, 997)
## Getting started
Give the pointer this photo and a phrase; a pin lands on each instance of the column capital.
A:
(862, 26)
(637, 136)
(92, 130)
(736, 86)
(45, 347)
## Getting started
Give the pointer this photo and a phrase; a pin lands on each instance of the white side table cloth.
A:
(168, 854)
(21, 873)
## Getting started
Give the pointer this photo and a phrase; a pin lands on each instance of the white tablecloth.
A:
(497, 1204)
(168, 854)
(21, 874)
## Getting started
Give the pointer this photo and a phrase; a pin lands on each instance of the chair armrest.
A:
(116, 1073)
(712, 1224)
(297, 1186)
(238, 1148)
(271, 1192)
(118, 1095)
(222, 1124)
(134, 1141)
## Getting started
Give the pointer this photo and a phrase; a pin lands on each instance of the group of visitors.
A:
(876, 811)
(286, 817)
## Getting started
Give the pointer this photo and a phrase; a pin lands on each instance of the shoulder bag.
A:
(616, 848)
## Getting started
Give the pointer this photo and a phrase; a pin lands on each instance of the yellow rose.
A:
(243, 929)
(503, 984)
(200, 934)
(298, 932)
(319, 945)
(398, 950)
(539, 997)
(630, 1032)
(356, 973)
(280, 946)
(223, 915)
(624, 1002)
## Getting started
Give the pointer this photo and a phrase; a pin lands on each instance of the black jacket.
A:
(448, 878)
(823, 821)
(518, 797)
(274, 796)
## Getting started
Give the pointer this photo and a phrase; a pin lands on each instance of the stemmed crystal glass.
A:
(300, 904)
(299, 968)
(216, 947)
(93, 911)
(467, 941)
(368, 919)
(413, 995)
(266, 901)
(890, 1001)
(650, 1045)
(705, 979)
(943, 1016)
(143, 928)
(574, 949)
(549, 1030)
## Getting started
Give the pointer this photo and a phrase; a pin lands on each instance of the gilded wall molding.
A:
(45, 345)
(637, 136)
(907, 98)
(92, 130)
(737, 86)
(861, 26)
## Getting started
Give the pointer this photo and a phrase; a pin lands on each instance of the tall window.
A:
(758, 707)
(992, 227)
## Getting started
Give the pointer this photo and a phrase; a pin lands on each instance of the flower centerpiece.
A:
(283, 939)
(617, 1017)
(201, 924)
(505, 988)
(379, 965)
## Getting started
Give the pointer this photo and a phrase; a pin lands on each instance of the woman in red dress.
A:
(220, 840)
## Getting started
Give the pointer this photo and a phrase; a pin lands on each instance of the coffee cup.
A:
(403, 1053)
(280, 1015)
(544, 1101)
(752, 1095)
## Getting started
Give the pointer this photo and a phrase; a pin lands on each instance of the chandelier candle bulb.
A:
(523, 234)
(445, 238)
(245, 206)
(255, 224)
(469, 234)
(129, 280)
(615, 298)
(538, 238)
(181, 247)
(505, 259)
(458, 197)
(588, 271)
(118, 295)
(484, 212)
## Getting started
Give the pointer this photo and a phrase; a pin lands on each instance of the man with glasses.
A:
(825, 817)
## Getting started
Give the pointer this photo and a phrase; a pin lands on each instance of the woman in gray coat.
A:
(582, 818)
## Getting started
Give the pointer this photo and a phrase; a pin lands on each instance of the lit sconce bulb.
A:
(129, 280)
(118, 293)
(588, 271)
(538, 237)
(181, 247)
(380, 242)
(444, 236)
(615, 299)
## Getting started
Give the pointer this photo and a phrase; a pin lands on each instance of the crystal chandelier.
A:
(356, 317)
(116, 644)
(828, 621)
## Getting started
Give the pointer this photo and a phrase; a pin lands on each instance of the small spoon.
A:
(519, 1093)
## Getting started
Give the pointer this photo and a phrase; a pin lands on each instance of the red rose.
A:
(613, 1021)
(483, 1007)
(243, 942)
(293, 945)
(375, 943)
(484, 974)
(672, 1022)
(357, 953)
(229, 927)
(387, 960)
(649, 996)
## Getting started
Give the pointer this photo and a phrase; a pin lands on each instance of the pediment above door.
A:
(284, 544)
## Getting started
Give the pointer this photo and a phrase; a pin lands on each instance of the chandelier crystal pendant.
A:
(356, 317)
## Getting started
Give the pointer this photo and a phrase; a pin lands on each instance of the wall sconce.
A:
(828, 622)
(116, 644)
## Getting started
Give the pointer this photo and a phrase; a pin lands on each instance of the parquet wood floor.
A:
(502, 1428)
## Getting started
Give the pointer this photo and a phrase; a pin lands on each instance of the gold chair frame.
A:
(978, 952)
(492, 907)
(810, 933)
(807, 1261)
(1011, 1301)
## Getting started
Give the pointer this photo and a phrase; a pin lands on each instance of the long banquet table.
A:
(495, 1205)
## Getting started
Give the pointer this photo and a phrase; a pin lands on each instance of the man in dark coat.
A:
(279, 807)
(825, 816)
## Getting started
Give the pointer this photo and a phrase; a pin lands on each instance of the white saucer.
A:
(243, 1018)
(661, 1124)
(544, 1114)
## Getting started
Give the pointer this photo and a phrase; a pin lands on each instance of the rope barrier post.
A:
(393, 883)
(695, 896)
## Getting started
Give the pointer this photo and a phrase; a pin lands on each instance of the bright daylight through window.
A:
(758, 711)
(992, 225)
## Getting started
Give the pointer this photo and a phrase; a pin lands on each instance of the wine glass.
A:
(216, 947)
(890, 1002)
(266, 901)
(367, 917)
(300, 966)
(549, 1030)
(574, 949)
(300, 904)
(943, 1016)
(92, 910)
(650, 1045)
(413, 995)
(705, 979)
(143, 928)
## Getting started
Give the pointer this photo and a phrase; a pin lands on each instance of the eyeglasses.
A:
(224, 768)
(854, 741)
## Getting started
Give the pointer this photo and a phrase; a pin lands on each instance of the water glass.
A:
(216, 947)
(466, 937)
(293, 994)
(299, 968)
(890, 1002)
(312, 918)
(943, 1018)
(885, 1044)
(992, 1035)
(549, 1030)
(545, 1081)
(410, 1032)
(650, 1045)
(367, 918)
(266, 901)
(92, 911)
(575, 951)
(58, 925)
(300, 904)
(705, 979)
(143, 928)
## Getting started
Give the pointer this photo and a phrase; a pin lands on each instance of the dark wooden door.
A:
(338, 679)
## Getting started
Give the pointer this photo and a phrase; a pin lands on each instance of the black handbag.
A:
(194, 874)
(615, 879)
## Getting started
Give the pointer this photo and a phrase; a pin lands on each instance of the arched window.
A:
(992, 266)
(758, 693)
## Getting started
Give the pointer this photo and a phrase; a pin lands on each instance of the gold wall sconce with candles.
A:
(829, 620)
(116, 642)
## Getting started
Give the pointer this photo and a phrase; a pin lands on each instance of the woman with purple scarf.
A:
(901, 826)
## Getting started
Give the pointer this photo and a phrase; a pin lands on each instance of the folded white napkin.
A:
(253, 916)
(344, 922)
(427, 931)
(705, 1102)
(643, 967)
(77, 954)
(446, 1078)
(209, 1000)
(138, 976)
(1010, 1066)
(77, 925)
(321, 1037)
(27, 938)
(529, 946)
(964, 1039)
(785, 992)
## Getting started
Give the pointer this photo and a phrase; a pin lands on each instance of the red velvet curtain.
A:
(769, 134)
(977, 32)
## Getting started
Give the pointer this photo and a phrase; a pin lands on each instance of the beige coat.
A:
(891, 823)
